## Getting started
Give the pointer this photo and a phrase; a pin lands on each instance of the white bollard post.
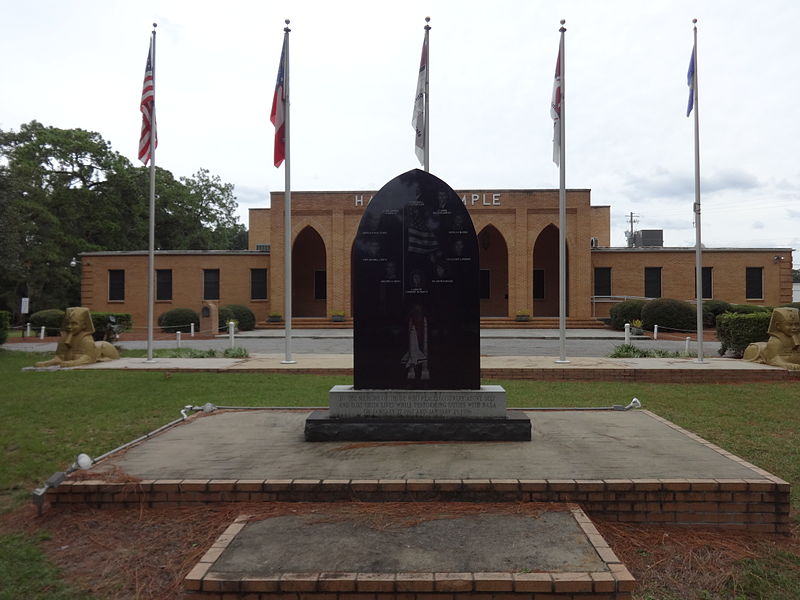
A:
(28, 330)
(686, 349)
(231, 327)
(178, 338)
(627, 334)
(655, 332)
(192, 331)
(41, 333)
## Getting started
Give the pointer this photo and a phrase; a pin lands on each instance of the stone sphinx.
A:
(783, 347)
(76, 346)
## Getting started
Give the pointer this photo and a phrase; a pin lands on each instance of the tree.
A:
(65, 191)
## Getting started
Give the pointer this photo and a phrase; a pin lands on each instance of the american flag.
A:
(278, 114)
(147, 107)
(421, 240)
(555, 111)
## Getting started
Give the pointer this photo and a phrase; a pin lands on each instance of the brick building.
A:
(518, 246)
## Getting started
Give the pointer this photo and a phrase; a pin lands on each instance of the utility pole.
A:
(632, 218)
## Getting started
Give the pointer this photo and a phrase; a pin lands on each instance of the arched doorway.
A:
(309, 275)
(493, 260)
(545, 273)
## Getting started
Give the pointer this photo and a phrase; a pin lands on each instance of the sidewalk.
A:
(542, 368)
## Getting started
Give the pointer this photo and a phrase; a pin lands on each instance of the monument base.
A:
(321, 427)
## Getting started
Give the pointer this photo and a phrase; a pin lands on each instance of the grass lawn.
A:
(46, 419)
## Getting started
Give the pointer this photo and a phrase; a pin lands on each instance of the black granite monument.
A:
(416, 336)
(415, 289)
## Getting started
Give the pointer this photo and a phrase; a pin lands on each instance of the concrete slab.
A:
(568, 444)
(327, 541)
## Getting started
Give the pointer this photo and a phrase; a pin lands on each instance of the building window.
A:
(210, 284)
(163, 284)
(116, 285)
(258, 284)
(708, 289)
(602, 281)
(320, 285)
(484, 284)
(652, 282)
(538, 284)
(754, 283)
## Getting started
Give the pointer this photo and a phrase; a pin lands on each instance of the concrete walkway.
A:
(677, 370)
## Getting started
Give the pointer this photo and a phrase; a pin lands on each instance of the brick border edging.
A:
(416, 586)
(743, 504)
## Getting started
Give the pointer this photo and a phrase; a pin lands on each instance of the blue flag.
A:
(690, 82)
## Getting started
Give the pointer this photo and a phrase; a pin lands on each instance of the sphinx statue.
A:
(76, 346)
(783, 347)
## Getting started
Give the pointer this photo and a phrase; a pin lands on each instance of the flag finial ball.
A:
(694, 20)
(286, 21)
(155, 25)
(427, 19)
(563, 21)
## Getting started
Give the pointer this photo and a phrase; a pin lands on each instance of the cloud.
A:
(758, 225)
(667, 185)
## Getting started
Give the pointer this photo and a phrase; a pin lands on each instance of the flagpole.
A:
(698, 260)
(287, 210)
(152, 227)
(427, 164)
(562, 212)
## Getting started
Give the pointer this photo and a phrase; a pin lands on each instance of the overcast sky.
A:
(79, 64)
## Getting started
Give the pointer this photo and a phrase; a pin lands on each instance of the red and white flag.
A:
(419, 117)
(147, 106)
(555, 111)
(278, 114)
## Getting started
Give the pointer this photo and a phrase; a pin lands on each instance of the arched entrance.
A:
(493, 260)
(545, 273)
(309, 275)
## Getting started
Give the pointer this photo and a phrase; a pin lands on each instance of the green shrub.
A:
(51, 319)
(791, 305)
(178, 319)
(631, 351)
(245, 316)
(670, 314)
(712, 309)
(5, 323)
(748, 309)
(236, 353)
(103, 328)
(736, 331)
(225, 315)
(625, 312)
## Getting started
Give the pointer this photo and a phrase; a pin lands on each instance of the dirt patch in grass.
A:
(146, 552)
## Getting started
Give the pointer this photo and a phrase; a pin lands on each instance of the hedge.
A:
(736, 331)
(5, 323)
(102, 327)
(712, 309)
(178, 319)
(626, 312)
(242, 314)
(225, 315)
(747, 309)
(669, 314)
(51, 319)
